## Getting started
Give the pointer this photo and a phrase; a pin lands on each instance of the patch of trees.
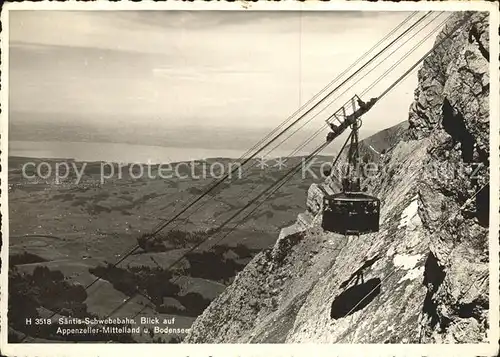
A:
(48, 289)
(173, 239)
(155, 282)
(24, 258)
(213, 265)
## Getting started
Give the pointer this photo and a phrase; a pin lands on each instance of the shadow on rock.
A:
(355, 298)
(358, 274)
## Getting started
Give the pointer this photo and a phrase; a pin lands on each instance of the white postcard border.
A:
(205, 350)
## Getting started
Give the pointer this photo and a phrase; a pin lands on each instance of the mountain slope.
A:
(423, 276)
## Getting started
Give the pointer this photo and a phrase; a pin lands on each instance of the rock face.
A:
(454, 200)
(423, 278)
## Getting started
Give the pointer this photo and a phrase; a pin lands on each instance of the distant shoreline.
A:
(54, 159)
(130, 154)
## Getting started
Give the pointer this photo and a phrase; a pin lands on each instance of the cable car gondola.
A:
(351, 212)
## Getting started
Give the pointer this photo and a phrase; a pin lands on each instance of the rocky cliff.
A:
(423, 277)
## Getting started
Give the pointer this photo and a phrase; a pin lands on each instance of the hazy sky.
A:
(205, 68)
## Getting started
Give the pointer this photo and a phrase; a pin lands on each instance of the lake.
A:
(125, 153)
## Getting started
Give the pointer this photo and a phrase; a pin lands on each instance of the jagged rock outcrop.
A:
(459, 62)
(423, 277)
(454, 203)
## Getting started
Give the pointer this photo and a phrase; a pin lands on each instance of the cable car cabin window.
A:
(351, 213)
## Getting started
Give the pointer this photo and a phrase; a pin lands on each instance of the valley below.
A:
(73, 230)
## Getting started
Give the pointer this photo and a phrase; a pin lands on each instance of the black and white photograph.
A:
(242, 174)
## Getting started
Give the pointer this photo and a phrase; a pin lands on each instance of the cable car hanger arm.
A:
(349, 120)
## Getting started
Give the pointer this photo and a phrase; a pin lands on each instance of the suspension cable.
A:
(345, 91)
(397, 63)
(394, 30)
(313, 136)
(386, 72)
